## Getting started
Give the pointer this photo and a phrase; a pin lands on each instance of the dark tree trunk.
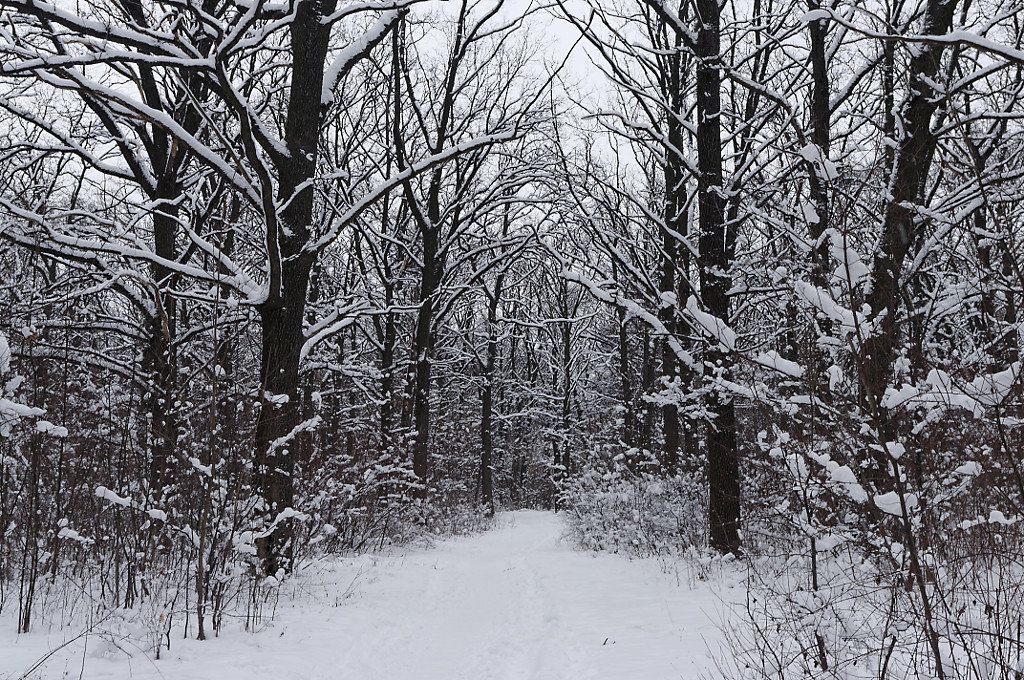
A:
(282, 315)
(674, 258)
(902, 232)
(713, 246)
(821, 122)
(387, 367)
(889, 97)
(428, 218)
(279, 367)
(669, 411)
(487, 446)
(487, 402)
(647, 385)
(900, 229)
(626, 382)
(422, 350)
(159, 355)
(566, 461)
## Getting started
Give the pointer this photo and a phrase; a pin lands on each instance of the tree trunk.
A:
(279, 368)
(900, 229)
(387, 367)
(281, 316)
(566, 387)
(669, 411)
(487, 403)
(821, 122)
(625, 382)
(714, 245)
(646, 386)
(422, 350)
(674, 258)
(159, 353)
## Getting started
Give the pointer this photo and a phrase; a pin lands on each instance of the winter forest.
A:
(551, 339)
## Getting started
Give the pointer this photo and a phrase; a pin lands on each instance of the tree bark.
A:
(900, 229)
(714, 246)
(674, 258)
(281, 316)
(487, 402)
(625, 382)
(669, 411)
(821, 124)
(646, 386)
(902, 232)
(279, 367)
(423, 348)
(159, 353)
(387, 368)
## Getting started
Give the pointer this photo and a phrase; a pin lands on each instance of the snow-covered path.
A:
(510, 604)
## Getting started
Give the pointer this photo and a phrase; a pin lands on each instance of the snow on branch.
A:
(958, 37)
(5, 355)
(715, 328)
(347, 58)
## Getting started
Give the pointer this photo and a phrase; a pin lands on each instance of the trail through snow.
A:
(514, 603)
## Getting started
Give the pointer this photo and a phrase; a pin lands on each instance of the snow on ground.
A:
(514, 603)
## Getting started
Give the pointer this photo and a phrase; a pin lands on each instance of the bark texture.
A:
(714, 259)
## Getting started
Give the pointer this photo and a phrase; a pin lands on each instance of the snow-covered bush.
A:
(620, 511)
(11, 410)
(846, 582)
(862, 617)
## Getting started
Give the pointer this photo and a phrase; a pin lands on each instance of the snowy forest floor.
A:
(514, 603)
